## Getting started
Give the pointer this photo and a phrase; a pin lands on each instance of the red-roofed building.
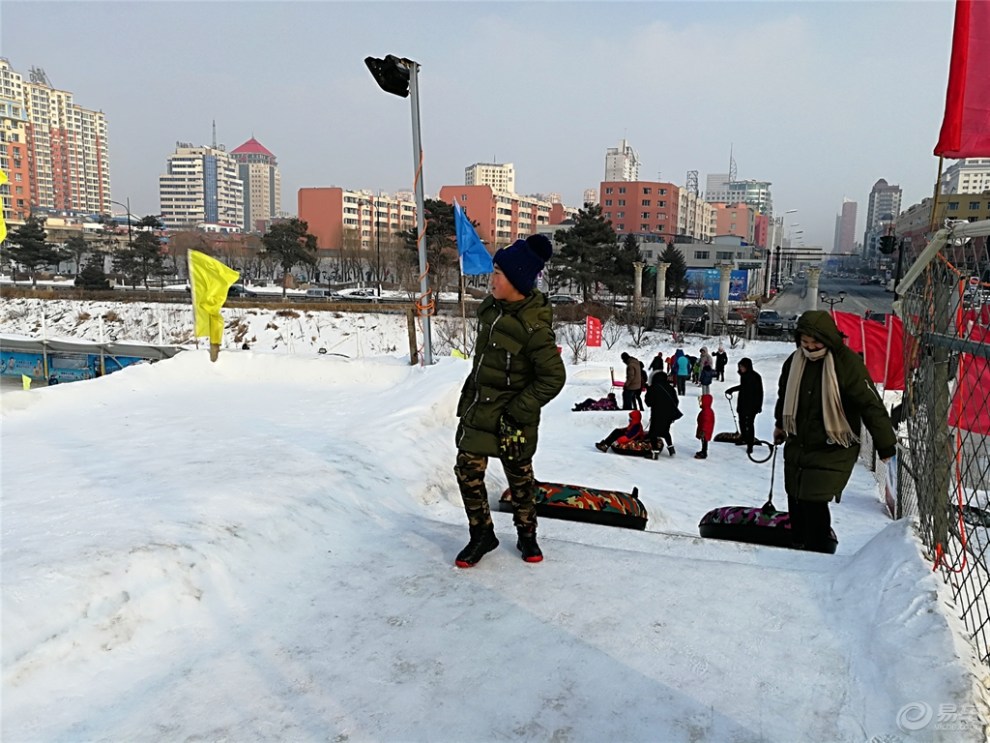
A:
(258, 169)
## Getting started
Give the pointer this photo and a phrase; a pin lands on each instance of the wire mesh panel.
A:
(944, 476)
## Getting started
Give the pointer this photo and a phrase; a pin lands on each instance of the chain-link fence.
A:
(944, 472)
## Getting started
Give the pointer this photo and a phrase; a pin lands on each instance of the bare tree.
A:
(575, 338)
(611, 331)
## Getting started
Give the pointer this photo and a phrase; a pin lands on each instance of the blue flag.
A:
(475, 259)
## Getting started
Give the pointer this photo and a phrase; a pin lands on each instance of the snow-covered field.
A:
(262, 549)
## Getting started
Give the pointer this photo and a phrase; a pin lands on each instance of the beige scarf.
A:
(836, 426)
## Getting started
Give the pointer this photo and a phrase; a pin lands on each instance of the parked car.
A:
(769, 322)
(694, 318)
(790, 323)
(322, 294)
(563, 299)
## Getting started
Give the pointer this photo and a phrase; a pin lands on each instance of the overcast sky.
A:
(821, 99)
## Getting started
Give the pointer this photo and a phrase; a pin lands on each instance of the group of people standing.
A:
(824, 394)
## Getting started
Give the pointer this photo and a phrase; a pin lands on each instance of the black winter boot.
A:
(483, 541)
(528, 546)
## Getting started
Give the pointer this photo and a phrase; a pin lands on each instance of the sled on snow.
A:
(726, 437)
(637, 448)
(578, 503)
(754, 525)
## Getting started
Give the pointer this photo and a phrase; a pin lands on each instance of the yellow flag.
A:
(457, 354)
(209, 280)
(3, 224)
(26, 381)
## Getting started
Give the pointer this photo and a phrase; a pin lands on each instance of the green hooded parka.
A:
(517, 370)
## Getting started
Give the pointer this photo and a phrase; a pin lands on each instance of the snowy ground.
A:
(262, 549)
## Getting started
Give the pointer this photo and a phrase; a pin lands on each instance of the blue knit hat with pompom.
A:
(523, 260)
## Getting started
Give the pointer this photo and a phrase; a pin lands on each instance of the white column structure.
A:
(813, 274)
(662, 289)
(724, 276)
(638, 287)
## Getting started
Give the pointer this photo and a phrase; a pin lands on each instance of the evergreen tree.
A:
(92, 277)
(441, 242)
(143, 258)
(587, 252)
(78, 248)
(290, 243)
(676, 282)
(623, 274)
(28, 248)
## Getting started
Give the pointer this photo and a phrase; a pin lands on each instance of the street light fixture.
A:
(832, 301)
(400, 77)
(127, 206)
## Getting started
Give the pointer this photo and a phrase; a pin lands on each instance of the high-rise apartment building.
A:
(883, 207)
(201, 189)
(258, 170)
(845, 228)
(969, 175)
(61, 146)
(14, 161)
(621, 163)
(500, 176)
(590, 196)
(502, 217)
(717, 188)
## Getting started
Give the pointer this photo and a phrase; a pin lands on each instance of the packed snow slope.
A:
(261, 549)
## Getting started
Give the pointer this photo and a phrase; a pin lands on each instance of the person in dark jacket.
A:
(632, 432)
(721, 359)
(661, 398)
(750, 402)
(516, 371)
(824, 396)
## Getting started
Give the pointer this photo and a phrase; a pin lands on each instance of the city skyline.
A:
(798, 91)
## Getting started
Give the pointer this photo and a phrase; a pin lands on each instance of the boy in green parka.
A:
(824, 396)
(517, 370)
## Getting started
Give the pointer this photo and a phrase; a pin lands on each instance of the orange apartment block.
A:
(735, 219)
(336, 215)
(640, 207)
(503, 218)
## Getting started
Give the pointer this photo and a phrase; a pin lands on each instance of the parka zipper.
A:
(477, 371)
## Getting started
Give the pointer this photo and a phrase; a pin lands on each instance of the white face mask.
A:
(814, 355)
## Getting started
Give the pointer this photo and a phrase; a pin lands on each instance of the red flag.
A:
(893, 375)
(849, 324)
(593, 331)
(966, 125)
(970, 408)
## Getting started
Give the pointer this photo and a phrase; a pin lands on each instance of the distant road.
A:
(858, 299)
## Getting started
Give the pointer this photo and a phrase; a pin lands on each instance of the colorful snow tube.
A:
(638, 448)
(578, 503)
(753, 525)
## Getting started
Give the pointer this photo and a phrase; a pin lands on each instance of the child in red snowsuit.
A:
(632, 432)
(706, 425)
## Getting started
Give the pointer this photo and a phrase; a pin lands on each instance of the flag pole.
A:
(938, 187)
(460, 262)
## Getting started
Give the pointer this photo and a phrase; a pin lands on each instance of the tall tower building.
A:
(201, 189)
(14, 160)
(258, 170)
(64, 165)
(882, 209)
(845, 230)
(621, 163)
(969, 175)
(590, 196)
(501, 177)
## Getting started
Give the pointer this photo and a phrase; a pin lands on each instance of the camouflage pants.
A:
(470, 472)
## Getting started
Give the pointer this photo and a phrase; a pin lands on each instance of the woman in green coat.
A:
(824, 396)
(517, 370)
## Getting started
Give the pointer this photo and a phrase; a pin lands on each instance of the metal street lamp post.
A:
(400, 77)
(831, 301)
(127, 206)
